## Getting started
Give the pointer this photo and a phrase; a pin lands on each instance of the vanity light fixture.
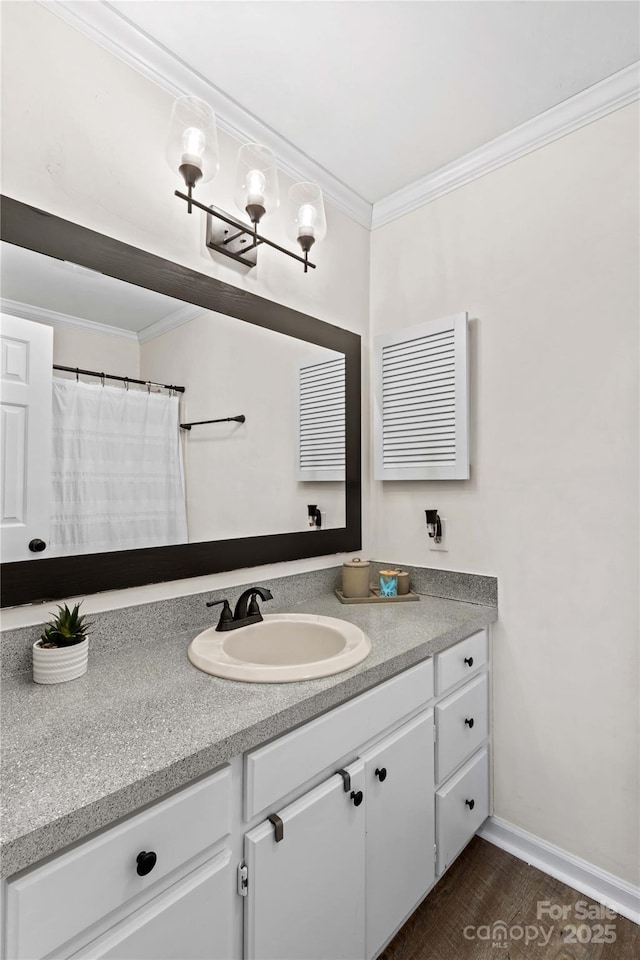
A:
(192, 150)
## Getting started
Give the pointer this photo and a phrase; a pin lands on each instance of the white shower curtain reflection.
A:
(117, 469)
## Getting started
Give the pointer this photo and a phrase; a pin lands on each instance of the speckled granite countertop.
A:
(143, 720)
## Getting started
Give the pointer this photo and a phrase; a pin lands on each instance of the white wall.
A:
(83, 137)
(241, 479)
(95, 351)
(543, 253)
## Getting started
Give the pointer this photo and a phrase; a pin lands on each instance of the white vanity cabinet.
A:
(321, 842)
(334, 873)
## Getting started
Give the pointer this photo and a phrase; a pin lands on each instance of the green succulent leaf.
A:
(67, 628)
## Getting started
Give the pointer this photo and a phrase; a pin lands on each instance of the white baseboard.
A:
(584, 877)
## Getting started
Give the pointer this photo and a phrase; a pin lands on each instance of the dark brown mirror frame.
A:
(46, 579)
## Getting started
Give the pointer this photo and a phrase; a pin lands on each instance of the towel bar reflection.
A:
(199, 423)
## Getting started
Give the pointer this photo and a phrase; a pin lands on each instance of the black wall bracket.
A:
(434, 525)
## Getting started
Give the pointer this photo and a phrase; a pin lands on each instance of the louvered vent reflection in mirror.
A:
(421, 421)
(321, 421)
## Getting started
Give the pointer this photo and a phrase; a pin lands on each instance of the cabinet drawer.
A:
(275, 770)
(52, 903)
(462, 724)
(461, 661)
(190, 920)
(462, 805)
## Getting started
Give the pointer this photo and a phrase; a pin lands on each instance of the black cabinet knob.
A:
(357, 797)
(381, 774)
(469, 661)
(37, 546)
(470, 803)
(469, 722)
(146, 862)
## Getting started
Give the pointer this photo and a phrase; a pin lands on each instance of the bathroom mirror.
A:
(114, 447)
(247, 485)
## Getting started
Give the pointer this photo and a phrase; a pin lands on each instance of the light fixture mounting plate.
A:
(224, 238)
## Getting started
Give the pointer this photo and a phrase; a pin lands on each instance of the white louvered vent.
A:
(321, 420)
(421, 403)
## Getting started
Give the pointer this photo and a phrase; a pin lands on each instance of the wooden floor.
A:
(486, 885)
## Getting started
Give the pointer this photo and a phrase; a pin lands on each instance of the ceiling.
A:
(62, 291)
(381, 94)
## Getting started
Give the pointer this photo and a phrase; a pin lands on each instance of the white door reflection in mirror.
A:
(25, 438)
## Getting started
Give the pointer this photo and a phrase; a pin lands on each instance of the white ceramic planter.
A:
(60, 663)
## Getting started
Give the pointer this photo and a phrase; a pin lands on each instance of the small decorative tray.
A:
(374, 597)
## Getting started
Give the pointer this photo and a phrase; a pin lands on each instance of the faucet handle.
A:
(226, 616)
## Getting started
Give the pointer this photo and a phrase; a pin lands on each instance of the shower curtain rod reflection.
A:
(112, 376)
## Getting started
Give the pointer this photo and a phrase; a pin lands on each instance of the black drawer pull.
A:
(356, 797)
(146, 862)
(469, 661)
(278, 825)
(469, 722)
(37, 546)
(381, 774)
(470, 803)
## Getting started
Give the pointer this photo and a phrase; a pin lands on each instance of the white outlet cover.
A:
(443, 546)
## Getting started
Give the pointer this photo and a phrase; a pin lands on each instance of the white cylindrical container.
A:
(57, 664)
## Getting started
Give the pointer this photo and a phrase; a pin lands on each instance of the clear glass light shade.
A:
(192, 143)
(305, 213)
(256, 178)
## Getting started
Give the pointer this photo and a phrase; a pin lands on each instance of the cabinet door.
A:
(190, 921)
(399, 785)
(305, 896)
(26, 357)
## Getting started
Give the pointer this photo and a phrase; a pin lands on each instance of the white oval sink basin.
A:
(283, 648)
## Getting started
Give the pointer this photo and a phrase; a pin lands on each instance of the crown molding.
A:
(170, 322)
(43, 315)
(115, 33)
(616, 91)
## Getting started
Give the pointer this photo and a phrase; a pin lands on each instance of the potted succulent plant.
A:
(62, 652)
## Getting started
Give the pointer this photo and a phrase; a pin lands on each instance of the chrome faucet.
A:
(247, 610)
